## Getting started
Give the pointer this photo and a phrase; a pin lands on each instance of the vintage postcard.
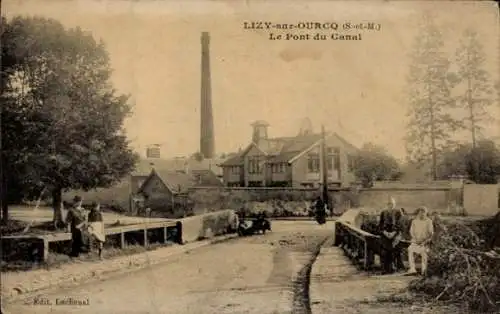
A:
(250, 156)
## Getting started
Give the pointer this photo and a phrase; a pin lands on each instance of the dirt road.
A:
(260, 274)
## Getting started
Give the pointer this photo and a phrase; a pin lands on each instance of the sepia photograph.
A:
(249, 156)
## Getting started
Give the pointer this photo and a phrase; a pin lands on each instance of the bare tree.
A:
(429, 84)
(474, 82)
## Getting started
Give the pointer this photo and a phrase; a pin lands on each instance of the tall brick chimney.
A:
(207, 138)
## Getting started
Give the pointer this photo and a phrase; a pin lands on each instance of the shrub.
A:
(459, 270)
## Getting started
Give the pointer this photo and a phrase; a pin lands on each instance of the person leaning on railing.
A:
(390, 237)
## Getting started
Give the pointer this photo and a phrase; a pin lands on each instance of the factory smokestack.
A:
(207, 139)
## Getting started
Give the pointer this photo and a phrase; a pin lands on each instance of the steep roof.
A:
(206, 178)
(283, 149)
(278, 149)
(176, 182)
(143, 167)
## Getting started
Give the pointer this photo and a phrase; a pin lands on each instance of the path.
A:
(248, 275)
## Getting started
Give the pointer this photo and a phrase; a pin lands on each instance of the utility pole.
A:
(3, 188)
(324, 168)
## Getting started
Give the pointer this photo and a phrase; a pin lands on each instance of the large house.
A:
(290, 161)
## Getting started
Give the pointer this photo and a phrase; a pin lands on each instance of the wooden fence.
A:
(36, 247)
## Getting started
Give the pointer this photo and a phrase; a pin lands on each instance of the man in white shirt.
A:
(421, 232)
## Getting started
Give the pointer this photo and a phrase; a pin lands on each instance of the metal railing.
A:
(360, 246)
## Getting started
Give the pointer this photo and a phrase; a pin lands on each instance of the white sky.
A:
(155, 52)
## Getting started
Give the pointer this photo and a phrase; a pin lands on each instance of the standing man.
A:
(390, 236)
(401, 220)
(76, 222)
(421, 231)
(320, 211)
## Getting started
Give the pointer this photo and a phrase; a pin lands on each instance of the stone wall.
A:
(482, 199)
(441, 199)
(236, 198)
(207, 225)
(436, 199)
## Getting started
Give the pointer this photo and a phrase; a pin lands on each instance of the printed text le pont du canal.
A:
(313, 30)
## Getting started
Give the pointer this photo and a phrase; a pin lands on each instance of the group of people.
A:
(391, 226)
(85, 229)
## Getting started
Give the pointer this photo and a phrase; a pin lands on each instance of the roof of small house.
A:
(143, 167)
(206, 178)
(283, 149)
(176, 182)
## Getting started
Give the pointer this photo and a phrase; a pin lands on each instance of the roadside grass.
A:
(56, 260)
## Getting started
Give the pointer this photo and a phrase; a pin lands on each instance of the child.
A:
(96, 226)
(421, 232)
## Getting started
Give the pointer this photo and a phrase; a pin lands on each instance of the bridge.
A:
(359, 245)
(271, 273)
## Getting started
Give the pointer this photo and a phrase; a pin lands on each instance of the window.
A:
(278, 168)
(335, 156)
(281, 168)
(332, 158)
(329, 163)
(235, 170)
(350, 162)
(313, 163)
(198, 178)
(254, 165)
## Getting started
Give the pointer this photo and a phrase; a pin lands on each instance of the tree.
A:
(453, 162)
(483, 162)
(373, 163)
(429, 81)
(3, 193)
(480, 164)
(475, 82)
(63, 121)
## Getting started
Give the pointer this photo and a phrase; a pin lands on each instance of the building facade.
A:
(166, 190)
(290, 161)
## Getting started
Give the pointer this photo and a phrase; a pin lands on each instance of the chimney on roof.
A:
(305, 127)
(259, 131)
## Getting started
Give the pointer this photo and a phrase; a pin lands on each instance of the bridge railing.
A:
(360, 246)
(36, 247)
